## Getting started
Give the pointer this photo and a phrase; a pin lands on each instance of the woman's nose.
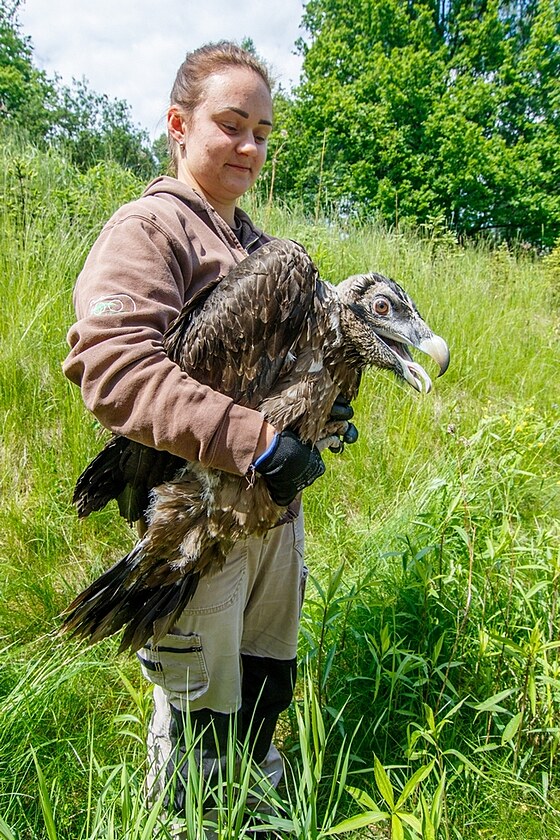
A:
(247, 145)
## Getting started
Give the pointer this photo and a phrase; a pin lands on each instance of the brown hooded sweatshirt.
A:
(150, 258)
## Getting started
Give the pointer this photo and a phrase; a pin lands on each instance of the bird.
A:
(275, 337)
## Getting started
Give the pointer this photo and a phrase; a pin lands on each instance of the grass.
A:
(429, 692)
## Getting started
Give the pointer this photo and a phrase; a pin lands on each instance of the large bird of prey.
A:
(276, 338)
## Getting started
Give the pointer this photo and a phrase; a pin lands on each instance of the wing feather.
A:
(237, 339)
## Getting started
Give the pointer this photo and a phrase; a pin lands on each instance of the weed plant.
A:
(429, 692)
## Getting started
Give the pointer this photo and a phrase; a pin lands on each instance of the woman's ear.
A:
(176, 125)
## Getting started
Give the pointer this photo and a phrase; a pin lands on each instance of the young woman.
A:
(234, 649)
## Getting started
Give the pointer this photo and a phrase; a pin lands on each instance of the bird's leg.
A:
(332, 434)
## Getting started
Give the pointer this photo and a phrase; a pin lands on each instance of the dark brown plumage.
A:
(274, 337)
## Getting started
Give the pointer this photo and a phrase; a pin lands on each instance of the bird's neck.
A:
(341, 355)
(349, 328)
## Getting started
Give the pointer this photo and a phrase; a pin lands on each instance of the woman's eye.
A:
(230, 128)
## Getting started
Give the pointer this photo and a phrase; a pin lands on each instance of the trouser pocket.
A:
(176, 663)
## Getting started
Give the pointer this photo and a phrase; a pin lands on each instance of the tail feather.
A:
(160, 612)
(193, 522)
(128, 595)
(110, 584)
(105, 602)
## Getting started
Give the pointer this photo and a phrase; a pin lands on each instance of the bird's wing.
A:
(102, 479)
(235, 337)
(126, 471)
(238, 338)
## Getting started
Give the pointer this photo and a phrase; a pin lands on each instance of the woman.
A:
(234, 649)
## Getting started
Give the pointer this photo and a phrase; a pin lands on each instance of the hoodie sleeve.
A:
(131, 288)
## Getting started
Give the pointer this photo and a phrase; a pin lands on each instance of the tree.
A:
(27, 97)
(90, 126)
(421, 108)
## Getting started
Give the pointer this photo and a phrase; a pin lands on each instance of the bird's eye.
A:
(381, 306)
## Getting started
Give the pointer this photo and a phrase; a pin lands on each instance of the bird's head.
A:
(381, 322)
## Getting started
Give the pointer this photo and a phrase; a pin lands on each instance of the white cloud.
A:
(131, 49)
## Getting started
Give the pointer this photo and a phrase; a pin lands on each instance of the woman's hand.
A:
(287, 466)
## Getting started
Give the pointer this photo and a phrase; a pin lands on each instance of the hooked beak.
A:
(437, 349)
(415, 375)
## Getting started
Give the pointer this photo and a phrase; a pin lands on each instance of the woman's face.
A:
(225, 138)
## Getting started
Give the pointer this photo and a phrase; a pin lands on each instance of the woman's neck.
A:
(225, 210)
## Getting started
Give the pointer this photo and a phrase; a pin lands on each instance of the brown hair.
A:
(188, 89)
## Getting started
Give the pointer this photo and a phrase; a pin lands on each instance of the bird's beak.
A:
(437, 349)
(414, 373)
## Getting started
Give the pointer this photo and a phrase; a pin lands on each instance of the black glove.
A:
(342, 410)
(288, 466)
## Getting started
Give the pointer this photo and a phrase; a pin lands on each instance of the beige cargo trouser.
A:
(233, 652)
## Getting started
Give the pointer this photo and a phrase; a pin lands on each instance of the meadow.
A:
(429, 690)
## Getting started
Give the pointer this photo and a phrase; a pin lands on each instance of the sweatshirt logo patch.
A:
(111, 305)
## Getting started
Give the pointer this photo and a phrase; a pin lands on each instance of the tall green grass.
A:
(430, 633)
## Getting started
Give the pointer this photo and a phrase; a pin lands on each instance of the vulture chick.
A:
(276, 338)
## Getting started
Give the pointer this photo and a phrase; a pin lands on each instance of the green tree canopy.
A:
(27, 97)
(421, 108)
(90, 126)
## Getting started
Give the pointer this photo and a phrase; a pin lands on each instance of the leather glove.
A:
(288, 466)
(341, 411)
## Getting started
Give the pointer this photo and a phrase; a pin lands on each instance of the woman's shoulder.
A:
(164, 198)
(166, 205)
(176, 210)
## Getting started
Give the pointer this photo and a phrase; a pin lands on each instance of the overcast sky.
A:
(131, 49)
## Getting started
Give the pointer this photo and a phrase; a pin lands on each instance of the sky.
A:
(131, 49)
